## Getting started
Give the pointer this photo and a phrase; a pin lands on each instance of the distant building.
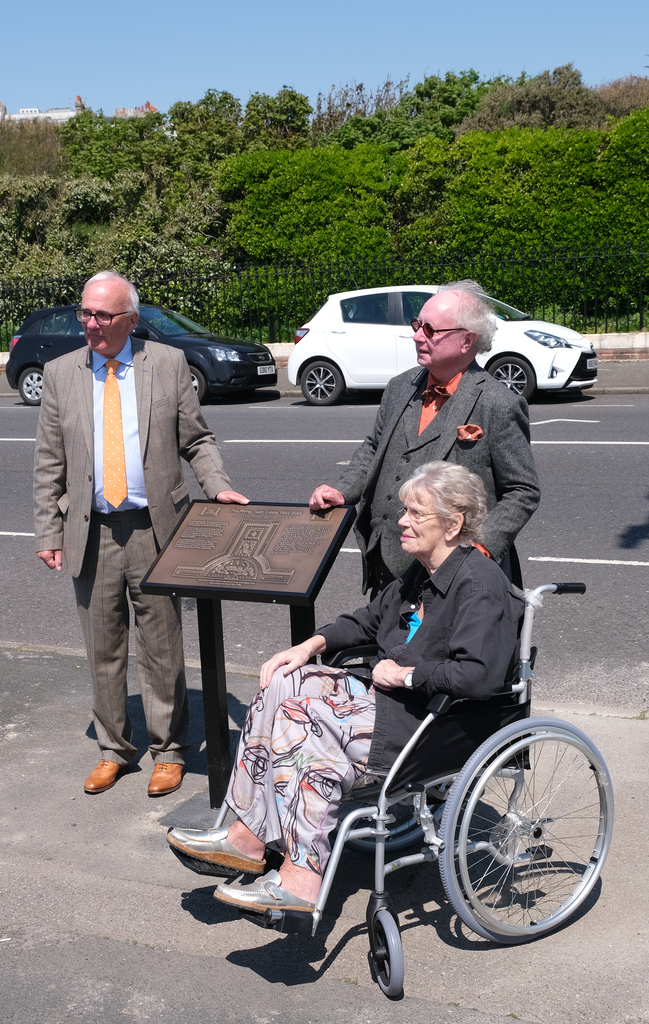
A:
(125, 112)
(56, 114)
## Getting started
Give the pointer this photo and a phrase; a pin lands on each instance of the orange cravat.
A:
(115, 488)
(435, 396)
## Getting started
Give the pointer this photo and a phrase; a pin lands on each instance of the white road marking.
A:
(6, 533)
(591, 442)
(17, 438)
(351, 551)
(540, 423)
(588, 561)
(288, 440)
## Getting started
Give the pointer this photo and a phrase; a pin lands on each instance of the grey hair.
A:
(110, 275)
(473, 311)
(451, 491)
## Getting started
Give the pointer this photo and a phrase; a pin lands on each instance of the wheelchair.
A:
(517, 811)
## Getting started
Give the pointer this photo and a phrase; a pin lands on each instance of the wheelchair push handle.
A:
(533, 600)
(570, 588)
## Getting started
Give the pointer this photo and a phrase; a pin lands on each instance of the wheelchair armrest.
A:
(366, 651)
(439, 703)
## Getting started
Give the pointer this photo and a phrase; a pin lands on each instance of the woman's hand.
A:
(293, 658)
(387, 675)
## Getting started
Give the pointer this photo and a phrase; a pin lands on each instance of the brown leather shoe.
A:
(166, 778)
(104, 776)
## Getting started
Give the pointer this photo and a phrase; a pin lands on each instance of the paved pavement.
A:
(99, 920)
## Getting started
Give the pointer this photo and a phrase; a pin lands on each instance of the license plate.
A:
(265, 369)
(592, 364)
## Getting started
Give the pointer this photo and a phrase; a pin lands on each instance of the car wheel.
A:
(515, 373)
(30, 385)
(322, 383)
(199, 383)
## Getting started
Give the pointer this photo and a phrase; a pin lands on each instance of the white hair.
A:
(112, 275)
(473, 312)
(450, 490)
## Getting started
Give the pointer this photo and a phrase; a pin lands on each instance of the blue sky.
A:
(124, 53)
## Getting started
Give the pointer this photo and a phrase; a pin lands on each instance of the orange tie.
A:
(115, 488)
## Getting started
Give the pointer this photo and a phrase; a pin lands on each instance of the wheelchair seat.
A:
(452, 737)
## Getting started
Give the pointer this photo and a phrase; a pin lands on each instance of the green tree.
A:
(549, 100)
(350, 100)
(205, 132)
(101, 147)
(432, 107)
(276, 122)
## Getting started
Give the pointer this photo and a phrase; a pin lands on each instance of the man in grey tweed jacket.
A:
(475, 421)
(108, 550)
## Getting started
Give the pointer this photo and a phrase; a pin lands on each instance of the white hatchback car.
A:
(360, 339)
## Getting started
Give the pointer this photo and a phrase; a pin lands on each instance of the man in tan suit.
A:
(115, 419)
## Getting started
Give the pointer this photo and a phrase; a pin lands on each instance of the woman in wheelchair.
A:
(449, 625)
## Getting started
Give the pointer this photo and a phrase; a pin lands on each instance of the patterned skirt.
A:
(305, 741)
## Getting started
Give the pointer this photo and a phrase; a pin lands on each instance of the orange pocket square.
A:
(470, 432)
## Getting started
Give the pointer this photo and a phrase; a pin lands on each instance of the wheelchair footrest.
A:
(298, 922)
(204, 867)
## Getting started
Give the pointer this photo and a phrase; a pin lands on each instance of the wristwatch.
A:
(407, 682)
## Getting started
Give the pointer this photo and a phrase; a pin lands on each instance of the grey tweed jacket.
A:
(171, 425)
(393, 450)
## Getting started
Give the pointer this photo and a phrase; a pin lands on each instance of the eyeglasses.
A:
(415, 516)
(431, 331)
(102, 318)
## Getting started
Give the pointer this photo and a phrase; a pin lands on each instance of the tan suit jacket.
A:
(171, 426)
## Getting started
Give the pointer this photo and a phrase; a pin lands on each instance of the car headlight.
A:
(549, 340)
(224, 355)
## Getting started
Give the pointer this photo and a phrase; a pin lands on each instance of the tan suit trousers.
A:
(121, 547)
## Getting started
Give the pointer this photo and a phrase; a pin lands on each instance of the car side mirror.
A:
(140, 332)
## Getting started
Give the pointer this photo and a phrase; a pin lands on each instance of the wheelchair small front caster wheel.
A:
(387, 956)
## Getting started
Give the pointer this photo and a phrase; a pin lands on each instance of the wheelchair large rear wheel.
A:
(526, 827)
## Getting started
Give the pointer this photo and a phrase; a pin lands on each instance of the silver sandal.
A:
(211, 847)
(262, 893)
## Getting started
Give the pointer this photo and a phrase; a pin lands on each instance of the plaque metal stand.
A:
(263, 552)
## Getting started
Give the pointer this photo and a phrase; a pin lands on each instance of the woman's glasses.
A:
(415, 516)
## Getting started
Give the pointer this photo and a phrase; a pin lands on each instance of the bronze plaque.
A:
(258, 552)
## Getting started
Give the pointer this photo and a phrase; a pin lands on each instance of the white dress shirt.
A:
(136, 497)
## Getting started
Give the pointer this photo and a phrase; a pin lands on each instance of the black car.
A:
(218, 365)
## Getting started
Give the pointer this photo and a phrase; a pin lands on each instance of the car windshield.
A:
(165, 321)
(505, 312)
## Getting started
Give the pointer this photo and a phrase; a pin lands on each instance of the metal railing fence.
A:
(590, 290)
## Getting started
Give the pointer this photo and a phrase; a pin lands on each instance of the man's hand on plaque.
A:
(324, 497)
(293, 658)
(232, 498)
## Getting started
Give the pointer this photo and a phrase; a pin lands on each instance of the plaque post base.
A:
(215, 698)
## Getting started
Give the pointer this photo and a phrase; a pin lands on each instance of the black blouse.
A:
(466, 645)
